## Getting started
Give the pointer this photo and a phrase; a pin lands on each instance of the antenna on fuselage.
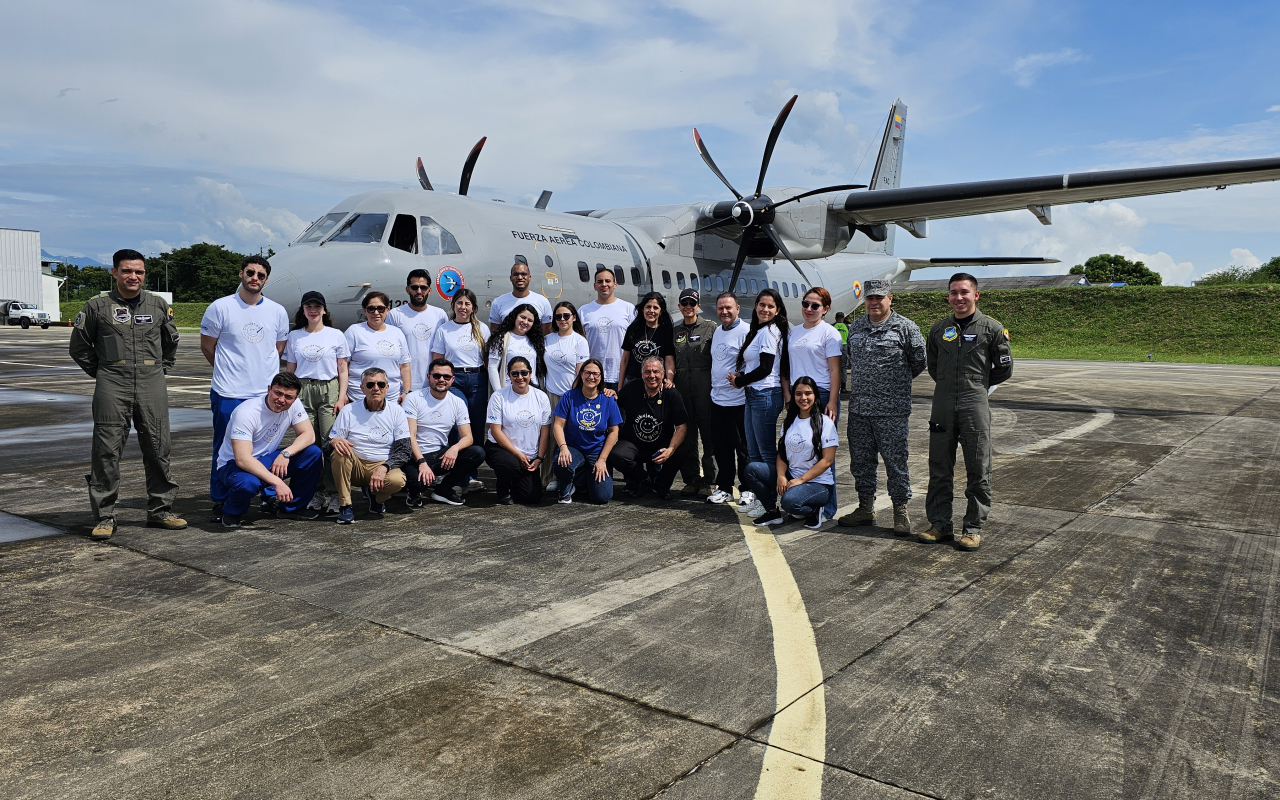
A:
(543, 199)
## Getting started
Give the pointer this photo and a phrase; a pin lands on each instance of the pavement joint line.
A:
(1198, 525)
(1261, 395)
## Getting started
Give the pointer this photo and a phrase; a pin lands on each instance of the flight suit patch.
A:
(693, 338)
(141, 319)
(79, 319)
(170, 312)
(971, 337)
(1006, 359)
(1006, 334)
(120, 314)
(950, 335)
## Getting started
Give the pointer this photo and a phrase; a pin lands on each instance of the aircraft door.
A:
(547, 277)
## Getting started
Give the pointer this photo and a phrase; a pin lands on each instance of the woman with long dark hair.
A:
(806, 453)
(649, 334)
(585, 429)
(520, 334)
(517, 441)
(813, 350)
(374, 343)
(566, 350)
(317, 353)
(461, 339)
(758, 366)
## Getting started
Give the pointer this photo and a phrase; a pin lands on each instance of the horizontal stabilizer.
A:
(978, 261)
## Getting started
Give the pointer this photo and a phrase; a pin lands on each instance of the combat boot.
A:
(167, 521)
(901, 522)
(103, 530)
(933, 535)
(865, 514)
(970, 541)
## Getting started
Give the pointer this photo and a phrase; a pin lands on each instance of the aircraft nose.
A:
(283, 288)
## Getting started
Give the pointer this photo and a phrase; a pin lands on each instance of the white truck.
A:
(24, 314)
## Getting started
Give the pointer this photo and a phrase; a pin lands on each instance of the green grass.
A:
(187, 315)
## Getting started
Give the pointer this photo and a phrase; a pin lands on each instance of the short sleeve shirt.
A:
(725, 345)
(516, 346)
(606, 326)
(521, 417)
(649, 422)
(587, 421)
(564, 354)
(385, 349)
(455, 342)
(658, 342)
(253, 421)
(808, 350)
(418, 327)
(769, 341)
(371, 433)
(435, 419)
(800, 454)
(502, 307)
(246, 358)
(316, 354)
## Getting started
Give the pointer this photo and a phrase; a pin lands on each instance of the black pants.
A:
(464, 466)
(729, 437)
(523, 486)
(636, 465)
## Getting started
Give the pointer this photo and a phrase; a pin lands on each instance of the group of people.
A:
(555, 399)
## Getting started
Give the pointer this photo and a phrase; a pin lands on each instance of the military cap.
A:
(877, 288)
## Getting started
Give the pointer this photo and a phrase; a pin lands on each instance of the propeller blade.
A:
(543, 199)
(777, 241)
(742, 257)
(843, 188)
(422, 176)
(773, 140)
(465, 183)
(706, 156)
(720, 223)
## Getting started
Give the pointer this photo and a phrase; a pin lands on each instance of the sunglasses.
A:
(438, 376)
(519, 373)
(416, 289)
(564, 316)
(376, 385)
(807, 306)
(376, 309)
(690, 303)
(249, 273)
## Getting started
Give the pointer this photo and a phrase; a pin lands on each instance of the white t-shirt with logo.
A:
(385, 349)
(606, 326)
(316, 354)
(502, 307)
(564, 354)
(808, 350)
(455, 342)
(799, 441)
(418, 328)
(517, 345)
(253, 421)
(246, 358)
(768, 340)
(371, 432)
(725, 345)
(521, 417)
(435, 419)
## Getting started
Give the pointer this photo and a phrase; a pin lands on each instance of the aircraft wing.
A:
(983, 197)
(976, 261)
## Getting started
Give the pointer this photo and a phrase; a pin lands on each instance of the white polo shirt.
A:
(606, 326)
(246, 358)
(316, 354)
(502, 307)
(435, 419)
(371, 432)
(725, 345)
(418, 327)
(253, 421)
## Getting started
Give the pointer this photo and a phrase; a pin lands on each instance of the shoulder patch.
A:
(79, 320)
(169, 310)
(1006, 334)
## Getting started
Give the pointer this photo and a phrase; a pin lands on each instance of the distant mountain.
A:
(79, 261)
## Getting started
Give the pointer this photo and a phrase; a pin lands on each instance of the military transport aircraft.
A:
(836, 237)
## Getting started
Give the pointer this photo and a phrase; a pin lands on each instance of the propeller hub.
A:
(743, 213)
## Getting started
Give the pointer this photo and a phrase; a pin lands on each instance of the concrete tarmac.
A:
(1115, 636)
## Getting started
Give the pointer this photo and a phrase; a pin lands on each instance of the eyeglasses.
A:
(376, 309)
(519, 373)
(592, 374)
(375, 385)
(249, 273)
(440, 376)
(807, 306)
(689, 303)
(564, 316)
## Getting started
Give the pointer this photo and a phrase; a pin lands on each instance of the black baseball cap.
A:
(314, 297)
(688, 294)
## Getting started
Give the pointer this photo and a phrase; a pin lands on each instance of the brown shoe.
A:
(933, 536)
(970, 541)
(864, 514)
(103, 530)
(901, 522)
(167, 521)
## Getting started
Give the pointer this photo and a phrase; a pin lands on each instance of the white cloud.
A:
(1241, 257)
(1273, 109)
(1028, 68)
(217, 212)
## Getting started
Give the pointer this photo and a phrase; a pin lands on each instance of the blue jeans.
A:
(242, 487)
(222, 408)
(581, 475)
(805, 500)
(763, 480)
(824, 396)
(761, 425)
(473, 387)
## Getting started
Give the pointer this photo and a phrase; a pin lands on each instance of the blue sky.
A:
(153, 125)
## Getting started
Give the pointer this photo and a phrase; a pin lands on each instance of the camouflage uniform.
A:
(127, 348)
(693, 382)
(884, 358)
(964, 363)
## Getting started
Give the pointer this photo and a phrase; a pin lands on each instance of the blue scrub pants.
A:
(242, 487)
(222, 408)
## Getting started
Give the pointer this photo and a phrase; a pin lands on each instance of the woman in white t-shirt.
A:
(566, 351)
(461, 340)
(519, 419)
(806, 453)
(813, 350)
(757, 370)
(520, 334)
(317, 353)
(374, 343)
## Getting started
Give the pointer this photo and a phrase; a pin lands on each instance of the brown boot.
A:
(103, 530)
(970, 541)
(933, 536)
(901, 522)
(865, 514)
(168, 521)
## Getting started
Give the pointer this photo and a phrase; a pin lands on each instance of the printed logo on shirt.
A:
(313, 352)
(253, 332)
(950, 335)
(436, 415)
(386, 347)
(524, 418)
(725, 351)
(271, 431)
(464, 340)
(422, 331)
(796, 442)
(643, 349)
(603, 324)
(588, 418)
(380, 435)
(558, 356)
(241, 433)
(120, 314)
(647, 427)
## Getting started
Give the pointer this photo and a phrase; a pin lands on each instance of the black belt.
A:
(469, 369)
(319, 380)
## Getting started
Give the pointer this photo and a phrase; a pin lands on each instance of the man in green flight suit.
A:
(968, 353)
(126, 341)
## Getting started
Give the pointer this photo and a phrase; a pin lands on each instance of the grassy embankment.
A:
(1211, 324)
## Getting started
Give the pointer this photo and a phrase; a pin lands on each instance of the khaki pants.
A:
(353, 470)
(318, 398)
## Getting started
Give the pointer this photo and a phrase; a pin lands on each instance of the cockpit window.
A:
(404, 234)
(436, 240)
(363, 229)
(321, 227)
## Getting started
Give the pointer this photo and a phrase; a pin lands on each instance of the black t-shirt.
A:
(651, 342)
(648, 422)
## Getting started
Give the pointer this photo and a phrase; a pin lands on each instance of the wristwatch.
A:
(286, 454)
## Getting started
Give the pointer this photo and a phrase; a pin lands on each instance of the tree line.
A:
(200, 273)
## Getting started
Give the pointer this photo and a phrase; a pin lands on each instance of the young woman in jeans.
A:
(462, 340)
(584, 427)
(806, 452)
(759, 362)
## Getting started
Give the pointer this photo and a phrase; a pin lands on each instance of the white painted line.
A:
(1101, 416)
(16, 529)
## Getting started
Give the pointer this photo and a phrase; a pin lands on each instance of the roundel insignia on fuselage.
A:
(448, 281)
(857, 290)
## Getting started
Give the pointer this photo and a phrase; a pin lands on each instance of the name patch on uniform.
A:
(120, 314)
(141, 319)
(950, 334)
(1006, 359)
(697, 337)
(971, 337)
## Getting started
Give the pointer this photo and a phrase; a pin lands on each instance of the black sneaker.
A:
(506, 500)
(774, 517)
(374, 506)
(664, 494)
(302, 513)
(270, 506)
(216, 515)
(414, 501)
(232, 520)
(452, 495)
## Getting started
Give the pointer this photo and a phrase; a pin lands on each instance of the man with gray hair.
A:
(370, 445)
(886, 352)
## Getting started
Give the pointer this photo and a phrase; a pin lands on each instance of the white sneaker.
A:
(475, 485)
(754, 510)
(745, 499)
(318, 502)
(334, 505)
(554, 486)
(719, 497)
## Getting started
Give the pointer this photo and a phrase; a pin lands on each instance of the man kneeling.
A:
(434, 414)
(248, 461)
(370, 445)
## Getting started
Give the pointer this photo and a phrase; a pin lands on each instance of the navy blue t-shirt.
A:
(587, 422)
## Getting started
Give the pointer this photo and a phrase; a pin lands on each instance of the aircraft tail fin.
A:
(888, 171)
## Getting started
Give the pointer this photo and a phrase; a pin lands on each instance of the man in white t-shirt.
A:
(369, 443)
(250, 460)
(605, 323)
(436, 415)
(519, 295)
(728, 402)
(418, 322)
(242, 336)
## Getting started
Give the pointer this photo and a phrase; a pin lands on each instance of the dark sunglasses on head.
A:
(375, 385)
(519, 373)
(564, 316)
(690, 303)
(806, 305)
(376, 309)
(440, 376)
(249, 273)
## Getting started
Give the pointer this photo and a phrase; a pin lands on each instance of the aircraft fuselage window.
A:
(619, 275)
(794, 291)
(584, 272)
(742, 285)
(635, 276)
(436, 239)
(753, 287)
(404, 234)
(363, 229)
(680, 279)
(719, 284)
(803, 290)
(323, 227)
(785, 293)
(551, 262)
(775, 286)
(666, 279)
